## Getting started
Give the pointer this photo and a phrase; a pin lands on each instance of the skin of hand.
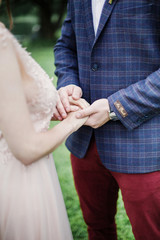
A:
(80, 103)
(63, 104)
(75, 122)
(98, 113)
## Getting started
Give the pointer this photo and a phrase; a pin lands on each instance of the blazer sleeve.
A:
(139, 102)
(66, 54)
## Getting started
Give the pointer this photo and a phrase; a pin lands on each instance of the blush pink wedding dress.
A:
(31, 202)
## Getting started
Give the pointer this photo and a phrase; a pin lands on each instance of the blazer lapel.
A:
(89, 21)
(106, 12)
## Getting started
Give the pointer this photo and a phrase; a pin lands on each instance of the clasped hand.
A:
(70, 100)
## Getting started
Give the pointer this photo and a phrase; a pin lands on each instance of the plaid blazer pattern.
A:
(121, 63)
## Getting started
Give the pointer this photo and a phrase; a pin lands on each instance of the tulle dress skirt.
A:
(31, 202)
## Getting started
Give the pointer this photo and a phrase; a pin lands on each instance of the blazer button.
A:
(94, 67)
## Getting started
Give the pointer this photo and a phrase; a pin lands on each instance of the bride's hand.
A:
(81, 103)
(74, 121)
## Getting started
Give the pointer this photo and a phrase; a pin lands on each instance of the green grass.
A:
(43, 53)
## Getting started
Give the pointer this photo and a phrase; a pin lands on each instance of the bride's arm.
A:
(15, 123)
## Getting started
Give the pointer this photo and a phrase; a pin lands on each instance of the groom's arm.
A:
(66, 54)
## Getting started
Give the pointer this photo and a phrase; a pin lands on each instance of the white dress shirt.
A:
(97, 6)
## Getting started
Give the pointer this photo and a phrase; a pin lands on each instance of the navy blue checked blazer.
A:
(121, 63)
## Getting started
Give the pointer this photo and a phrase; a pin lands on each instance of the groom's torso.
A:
(126, 49)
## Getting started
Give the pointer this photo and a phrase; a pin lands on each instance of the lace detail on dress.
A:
(42, 102)
(5, 153)
(41, 95)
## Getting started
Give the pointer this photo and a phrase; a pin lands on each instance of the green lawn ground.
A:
(43, 53)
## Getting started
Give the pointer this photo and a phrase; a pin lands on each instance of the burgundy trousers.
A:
(97, 188)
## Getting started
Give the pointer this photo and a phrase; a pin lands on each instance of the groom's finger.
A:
(61, 109)
(56, 116)
(74, 108)
(64, 100)
(76, 92)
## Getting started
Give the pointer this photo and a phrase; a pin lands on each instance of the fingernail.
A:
(67, 109)
(59, 118)
(63, 115)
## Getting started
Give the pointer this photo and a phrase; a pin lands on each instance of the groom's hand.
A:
(63, 105)
(98, 113)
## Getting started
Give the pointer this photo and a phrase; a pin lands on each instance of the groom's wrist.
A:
(112, 115)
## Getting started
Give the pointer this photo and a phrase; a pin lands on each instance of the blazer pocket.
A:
(141, 10)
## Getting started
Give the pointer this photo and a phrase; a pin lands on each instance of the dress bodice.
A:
(41, 95)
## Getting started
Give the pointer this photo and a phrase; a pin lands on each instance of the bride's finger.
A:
(82, 103)
(74, 108)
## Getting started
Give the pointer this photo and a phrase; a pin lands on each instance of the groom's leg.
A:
(98, 193)
(141, 196)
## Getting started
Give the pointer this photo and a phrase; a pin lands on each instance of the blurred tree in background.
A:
(50, 14)
(42, 18)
